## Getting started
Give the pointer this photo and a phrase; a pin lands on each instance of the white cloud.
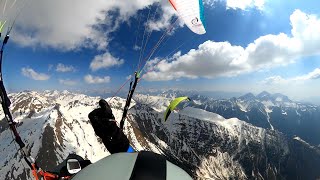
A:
(210, 2)
(30, 73)
(50, 66)
(105, 60)
(306, 31)
(275, 80)
(214, 59)
(136, 47)
(245, 4)
(209, 60)
(166, 20)
(65, 68)
(315, 74)
(67, 82)
(96, 79)
(128, 77)
(69, 25)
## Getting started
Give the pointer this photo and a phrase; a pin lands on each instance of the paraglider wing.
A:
(9, 12)
(173, 105)
(191, 12)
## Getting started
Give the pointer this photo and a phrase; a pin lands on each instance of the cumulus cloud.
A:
(215, 59)
(50, 66)
(275, 80)
(30, 73)
(96, 79)
(65, 68)
(211, 59)
(67, 82)
(166, 20)
(105, 60)
(68, 25)
(245, 4)
(210, 2)
(128, 77)
(315, 74)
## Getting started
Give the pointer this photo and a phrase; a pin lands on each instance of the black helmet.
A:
(103, 103)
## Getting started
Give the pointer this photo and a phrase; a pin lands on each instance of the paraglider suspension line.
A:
(129, 98)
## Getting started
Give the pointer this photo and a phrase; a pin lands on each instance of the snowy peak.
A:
(248, 97)
(171, 94)
(177, 93)
(264, 94)
(280, 98)
(275, 98)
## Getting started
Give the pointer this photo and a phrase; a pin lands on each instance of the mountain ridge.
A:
(271, 111)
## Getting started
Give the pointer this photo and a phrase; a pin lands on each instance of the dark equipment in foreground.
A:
(105, 126)
(129, 97)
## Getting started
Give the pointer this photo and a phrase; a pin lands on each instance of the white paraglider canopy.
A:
(191, 12)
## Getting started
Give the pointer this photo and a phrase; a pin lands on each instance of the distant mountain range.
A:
(207, 145)
(269, 111)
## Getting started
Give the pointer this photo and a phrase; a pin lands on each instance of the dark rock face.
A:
(47, 158)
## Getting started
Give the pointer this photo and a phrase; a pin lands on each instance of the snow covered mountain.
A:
(269, 111)
(52, 124)
(212, 147)
(208, 146)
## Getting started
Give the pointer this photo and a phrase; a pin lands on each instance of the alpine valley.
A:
(267, 136)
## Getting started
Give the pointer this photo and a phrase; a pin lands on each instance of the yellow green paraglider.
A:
(173, 105)
(1, 25)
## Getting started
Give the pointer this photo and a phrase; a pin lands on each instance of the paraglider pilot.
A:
(105, 126)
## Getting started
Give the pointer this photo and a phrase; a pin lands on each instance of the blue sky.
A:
(250, 46)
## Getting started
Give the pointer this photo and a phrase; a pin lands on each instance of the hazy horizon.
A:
(209, 94)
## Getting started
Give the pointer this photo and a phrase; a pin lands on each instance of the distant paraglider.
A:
(173, 105)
